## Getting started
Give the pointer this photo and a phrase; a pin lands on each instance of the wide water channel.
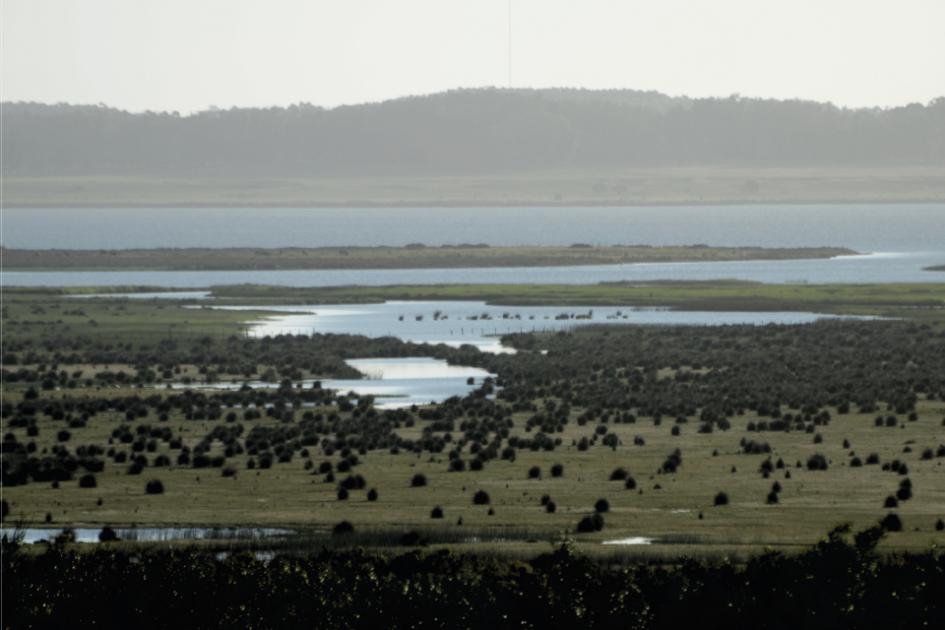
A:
(861, 269)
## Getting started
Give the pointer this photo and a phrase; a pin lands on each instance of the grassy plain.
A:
(287, 495)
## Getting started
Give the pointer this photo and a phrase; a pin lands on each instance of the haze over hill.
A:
(468, 132)
(602, 138)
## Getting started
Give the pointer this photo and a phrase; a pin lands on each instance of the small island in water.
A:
(413, 256)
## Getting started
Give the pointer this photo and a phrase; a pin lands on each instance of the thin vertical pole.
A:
(510, 43)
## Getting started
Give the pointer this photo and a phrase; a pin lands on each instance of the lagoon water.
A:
(896, 227)
(402, 382)
(456, 323)
(900, 238)
(865, 269)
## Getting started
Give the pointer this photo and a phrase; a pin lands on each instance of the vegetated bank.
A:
(919, 300)
(838, 583)
(417, 256)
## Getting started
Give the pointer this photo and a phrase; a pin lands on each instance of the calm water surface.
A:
(877, 267)
(456, 323)
(396, 383)
(864, 227)
(32, 535)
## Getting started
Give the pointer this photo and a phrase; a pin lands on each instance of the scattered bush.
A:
(589, 524)
(418, 481)
(154, 487)
(107, 534)
(87, 481)
(891, 523)
(618, 474)
(481, 498)
(601, 506)
(342, 528)
(817, 462)
(720, 499)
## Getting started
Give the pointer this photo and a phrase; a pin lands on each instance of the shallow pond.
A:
(632, 540)
(395, 383)
(32, 535)
(456, 323)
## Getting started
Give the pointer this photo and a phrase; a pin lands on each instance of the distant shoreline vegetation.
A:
(411, 256)
(935, 268)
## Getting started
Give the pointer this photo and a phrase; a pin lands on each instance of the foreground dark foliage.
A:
(836, 584)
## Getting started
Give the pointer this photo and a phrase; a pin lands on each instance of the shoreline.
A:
(416, 256)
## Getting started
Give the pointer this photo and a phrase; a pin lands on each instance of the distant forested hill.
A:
(465, 132)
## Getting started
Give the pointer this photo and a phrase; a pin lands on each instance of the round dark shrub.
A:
(107, 534)
(618, 474)
(481, 498)
(776, 487)
(372, 495)
(630, 483)
(87, 481)
(418, 481)
(550, 507)
(817, 462)
(344, 527)
(154, 487)
(545, 499)
(891, 523)
(534, 472)
(63, 436)
(436, 512)
(939, 525)
(457, 465)
(772, 498)
(557, 470)
(589, 524)
(891, 502)
(342, 494)
(720, 499)
(601, 506)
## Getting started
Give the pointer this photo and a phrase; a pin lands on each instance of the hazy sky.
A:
(189, 54)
